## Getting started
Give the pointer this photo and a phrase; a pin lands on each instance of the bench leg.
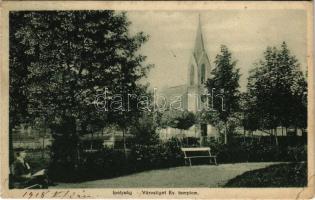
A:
(215, 160)
(189, 161)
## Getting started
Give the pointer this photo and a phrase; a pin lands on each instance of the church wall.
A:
(194, 131)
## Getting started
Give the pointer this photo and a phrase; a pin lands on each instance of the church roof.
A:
(199, 43)
(175, 90)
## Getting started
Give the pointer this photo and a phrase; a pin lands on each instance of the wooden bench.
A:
(198, 152)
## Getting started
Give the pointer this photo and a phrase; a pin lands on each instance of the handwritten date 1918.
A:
(67, 194)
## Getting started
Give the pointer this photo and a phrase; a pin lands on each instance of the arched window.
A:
(203, 74)
(192, 75)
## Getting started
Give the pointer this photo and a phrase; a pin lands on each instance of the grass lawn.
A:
(281, 175)
(185, 176)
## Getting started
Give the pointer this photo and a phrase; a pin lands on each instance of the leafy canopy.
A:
(276, 91)
(61, 60)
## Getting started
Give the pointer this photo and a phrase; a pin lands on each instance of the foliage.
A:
(258, 151)
(212, 117)
(249, 119)
(281, 175)
(178, 119)
(109, 162)
(224, 78)
(156, 156)
(63, 60)
(276, 92)
(144, 130)
(18, 81)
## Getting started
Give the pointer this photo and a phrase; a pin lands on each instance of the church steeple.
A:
(199, 45)
(198, 71)
(200, 64)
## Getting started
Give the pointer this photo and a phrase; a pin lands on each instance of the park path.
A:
(185, 176)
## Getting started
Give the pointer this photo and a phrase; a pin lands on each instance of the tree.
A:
(144, 129)
(70, 58)
(276, 87)
(250, 117)
(18, 81)
(225, 78)
(178, 119)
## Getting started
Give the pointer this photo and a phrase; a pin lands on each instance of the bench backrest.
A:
(195, 151)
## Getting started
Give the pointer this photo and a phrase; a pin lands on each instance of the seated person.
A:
(21, 171)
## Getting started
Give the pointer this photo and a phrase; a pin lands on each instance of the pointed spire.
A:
(199, 46)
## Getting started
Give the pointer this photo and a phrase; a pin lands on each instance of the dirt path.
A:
(195, 176)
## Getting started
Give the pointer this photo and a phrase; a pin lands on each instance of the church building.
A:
(191, 93)
(197, 74)
(199, 70)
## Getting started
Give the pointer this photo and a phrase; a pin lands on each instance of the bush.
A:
(108, 162)
(298, 153)
(105, 163)
(163, 155)
(255, 151)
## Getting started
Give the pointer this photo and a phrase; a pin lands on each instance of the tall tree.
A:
(18, 81)
(225, 81)
(71, 57)
(276, 87)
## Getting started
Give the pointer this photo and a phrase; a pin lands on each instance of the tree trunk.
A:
(124, 140)
(276, 137)
(271, 134)
(195, 129)
(225, 135)
(244, 135)
(201, 136)
(65, 147)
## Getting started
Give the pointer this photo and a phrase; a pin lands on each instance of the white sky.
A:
(247, 33)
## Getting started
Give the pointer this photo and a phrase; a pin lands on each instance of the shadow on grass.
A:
(280, 175)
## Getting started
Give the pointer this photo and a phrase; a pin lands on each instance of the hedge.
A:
(108, 163)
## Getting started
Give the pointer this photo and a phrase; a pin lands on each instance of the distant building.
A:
(198, 72)
(191, 93)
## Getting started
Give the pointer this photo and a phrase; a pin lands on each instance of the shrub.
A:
(255, 151)
(156, 156)
(109, 162)
(298, 153)
(105, 163)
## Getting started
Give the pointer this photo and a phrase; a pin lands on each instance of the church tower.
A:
(198, 72)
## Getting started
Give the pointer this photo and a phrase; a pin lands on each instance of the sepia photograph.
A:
(123, 99)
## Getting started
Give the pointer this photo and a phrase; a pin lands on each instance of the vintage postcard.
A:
(164, 100)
